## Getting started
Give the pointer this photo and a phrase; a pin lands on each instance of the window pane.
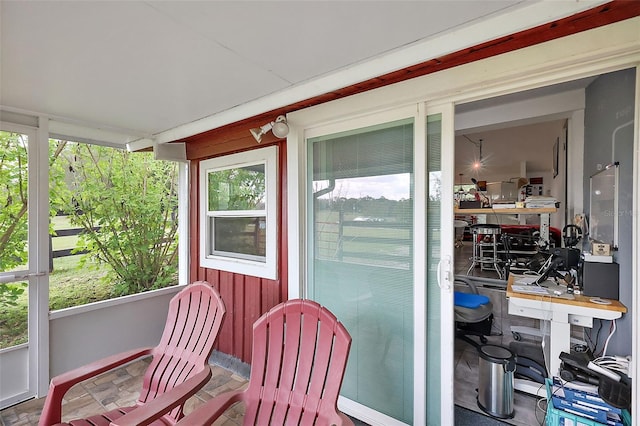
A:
(361, 257)
(13, 321)
(14, 308)
(238, 197)
(241, 188)
(434, 224)
(13, 199)
(243, 237)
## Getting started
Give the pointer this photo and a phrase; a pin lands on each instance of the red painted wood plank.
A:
(226, 338)
(239, 289)
(212, 276)
(252, 311)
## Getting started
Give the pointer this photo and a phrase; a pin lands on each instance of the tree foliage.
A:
(127, 205)
(13, 200)
(13, 210)
(241, 188)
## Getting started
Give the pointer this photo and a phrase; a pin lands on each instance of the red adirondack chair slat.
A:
(300, 353)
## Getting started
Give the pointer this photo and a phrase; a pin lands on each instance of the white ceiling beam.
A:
(77, 132)
(528, 111)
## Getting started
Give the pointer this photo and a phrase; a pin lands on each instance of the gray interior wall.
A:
(608, 114)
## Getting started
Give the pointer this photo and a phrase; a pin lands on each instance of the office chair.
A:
(473, 313)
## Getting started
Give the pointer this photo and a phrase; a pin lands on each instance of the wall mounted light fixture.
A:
(278, 127)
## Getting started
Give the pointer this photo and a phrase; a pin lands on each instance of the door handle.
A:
(444, 282)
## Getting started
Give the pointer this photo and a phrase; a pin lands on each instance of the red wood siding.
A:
(246, 297)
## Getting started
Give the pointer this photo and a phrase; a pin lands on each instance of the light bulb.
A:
(280, 128)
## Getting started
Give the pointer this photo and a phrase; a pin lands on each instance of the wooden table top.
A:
(580, 300)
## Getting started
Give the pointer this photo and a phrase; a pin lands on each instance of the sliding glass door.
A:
(361, 266)
(378, 225)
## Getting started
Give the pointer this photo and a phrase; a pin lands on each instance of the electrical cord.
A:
(548, 401)
(615, 363)
(538, 407)
(544, 410)
(602, 351)
(595, 347)
(587, 338)
(611, 333)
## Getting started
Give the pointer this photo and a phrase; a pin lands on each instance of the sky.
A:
(391, 187)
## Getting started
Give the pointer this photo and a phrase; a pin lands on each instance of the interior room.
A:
(511, 152)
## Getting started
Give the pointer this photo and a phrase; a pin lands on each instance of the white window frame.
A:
(240, 265)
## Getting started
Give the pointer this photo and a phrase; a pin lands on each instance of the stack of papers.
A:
(503, 205)
(526, 279)
(538, 201)
(531, 289)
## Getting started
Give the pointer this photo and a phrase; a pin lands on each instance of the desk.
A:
(544, 213)
(561, 313)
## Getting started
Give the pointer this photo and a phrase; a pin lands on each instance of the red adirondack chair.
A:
(299, 356)
(179, 364)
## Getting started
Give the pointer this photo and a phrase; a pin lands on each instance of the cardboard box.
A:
(599, 249)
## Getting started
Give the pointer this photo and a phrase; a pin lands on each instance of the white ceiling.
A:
(143, 68)
(508, 144)
(504, 150)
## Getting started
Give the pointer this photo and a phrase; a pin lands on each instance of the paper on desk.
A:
(533, 289)
(525, 280)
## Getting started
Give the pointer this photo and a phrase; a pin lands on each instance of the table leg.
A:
(559, 341)
(545, 220)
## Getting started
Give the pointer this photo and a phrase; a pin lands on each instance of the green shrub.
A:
(127, 205)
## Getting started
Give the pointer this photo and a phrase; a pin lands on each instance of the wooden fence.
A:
(365, 241)
(65, 232)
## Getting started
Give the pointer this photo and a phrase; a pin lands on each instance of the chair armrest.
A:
(52, 410)
(162, 404)
(208, 412)
(346, 421)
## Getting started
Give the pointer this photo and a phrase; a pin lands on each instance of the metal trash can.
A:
(496, 366)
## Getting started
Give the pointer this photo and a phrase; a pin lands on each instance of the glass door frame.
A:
(37, 272)
(299, 238)
(445, 271)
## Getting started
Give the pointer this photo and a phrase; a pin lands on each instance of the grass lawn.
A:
(69, 286)
(73, 286)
